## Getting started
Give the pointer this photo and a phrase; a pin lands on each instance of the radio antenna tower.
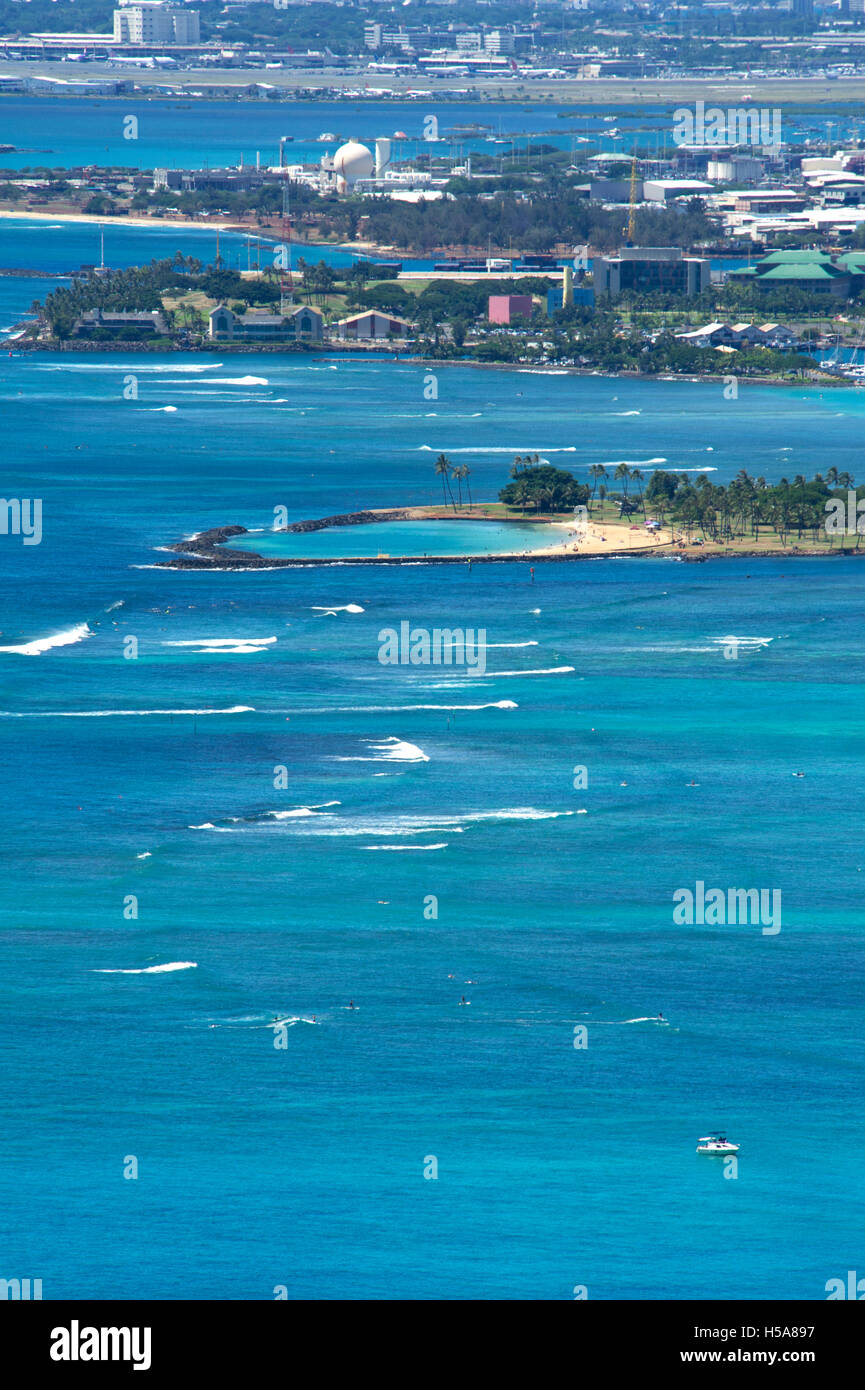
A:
(286, 282)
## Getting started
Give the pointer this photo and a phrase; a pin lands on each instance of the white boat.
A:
(716, 1144)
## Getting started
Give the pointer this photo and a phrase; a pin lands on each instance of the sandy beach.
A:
(598, 539)
(595, 538)
(180, 223)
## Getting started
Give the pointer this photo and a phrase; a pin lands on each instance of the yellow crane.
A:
(632, 212)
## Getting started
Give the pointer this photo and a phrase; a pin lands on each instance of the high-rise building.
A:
(651, 268)
(152, 22)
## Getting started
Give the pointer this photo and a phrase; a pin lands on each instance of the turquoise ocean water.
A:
(188, 133)
(284, 812)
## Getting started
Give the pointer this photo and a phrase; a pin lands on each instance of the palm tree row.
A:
(461, 472)
(522, 462)
(746, 504)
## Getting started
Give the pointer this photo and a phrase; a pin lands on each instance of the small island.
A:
(543, 513)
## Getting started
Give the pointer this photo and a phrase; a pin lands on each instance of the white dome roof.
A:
(353, 161)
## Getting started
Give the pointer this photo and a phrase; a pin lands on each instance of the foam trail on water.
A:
(154, 969)
(330, 610)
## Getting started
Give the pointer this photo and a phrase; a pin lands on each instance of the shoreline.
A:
(383, 350)
(112, 220)
(206, 550)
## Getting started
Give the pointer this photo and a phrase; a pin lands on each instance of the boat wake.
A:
(154, 969)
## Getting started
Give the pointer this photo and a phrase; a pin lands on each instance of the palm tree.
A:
(442, 467)
(638, 479)
(596, 472)
(466, 475)
(623, 472)
(516, 466)
(832, 476)
(459, 474)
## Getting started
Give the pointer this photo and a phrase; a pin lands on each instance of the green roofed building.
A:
(805, 270)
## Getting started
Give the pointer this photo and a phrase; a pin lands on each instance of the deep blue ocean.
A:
(214, 772)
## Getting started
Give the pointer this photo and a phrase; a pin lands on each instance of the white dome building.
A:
(351, 162)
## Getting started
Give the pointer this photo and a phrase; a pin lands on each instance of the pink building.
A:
(503, 308)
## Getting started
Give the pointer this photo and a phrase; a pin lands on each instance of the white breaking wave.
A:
(116, 713)
(402, 709)
(422, 848)
(295, 813)
(547, 671)
(163, 410)
(742, 641)
(230, 646)
(641, 463)
(387, 828)
(498, 449)
(45, 644)
(510, 644)
(137, 367)
(235, 381)
(392, 750)
(154, 969)
(621, 414)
